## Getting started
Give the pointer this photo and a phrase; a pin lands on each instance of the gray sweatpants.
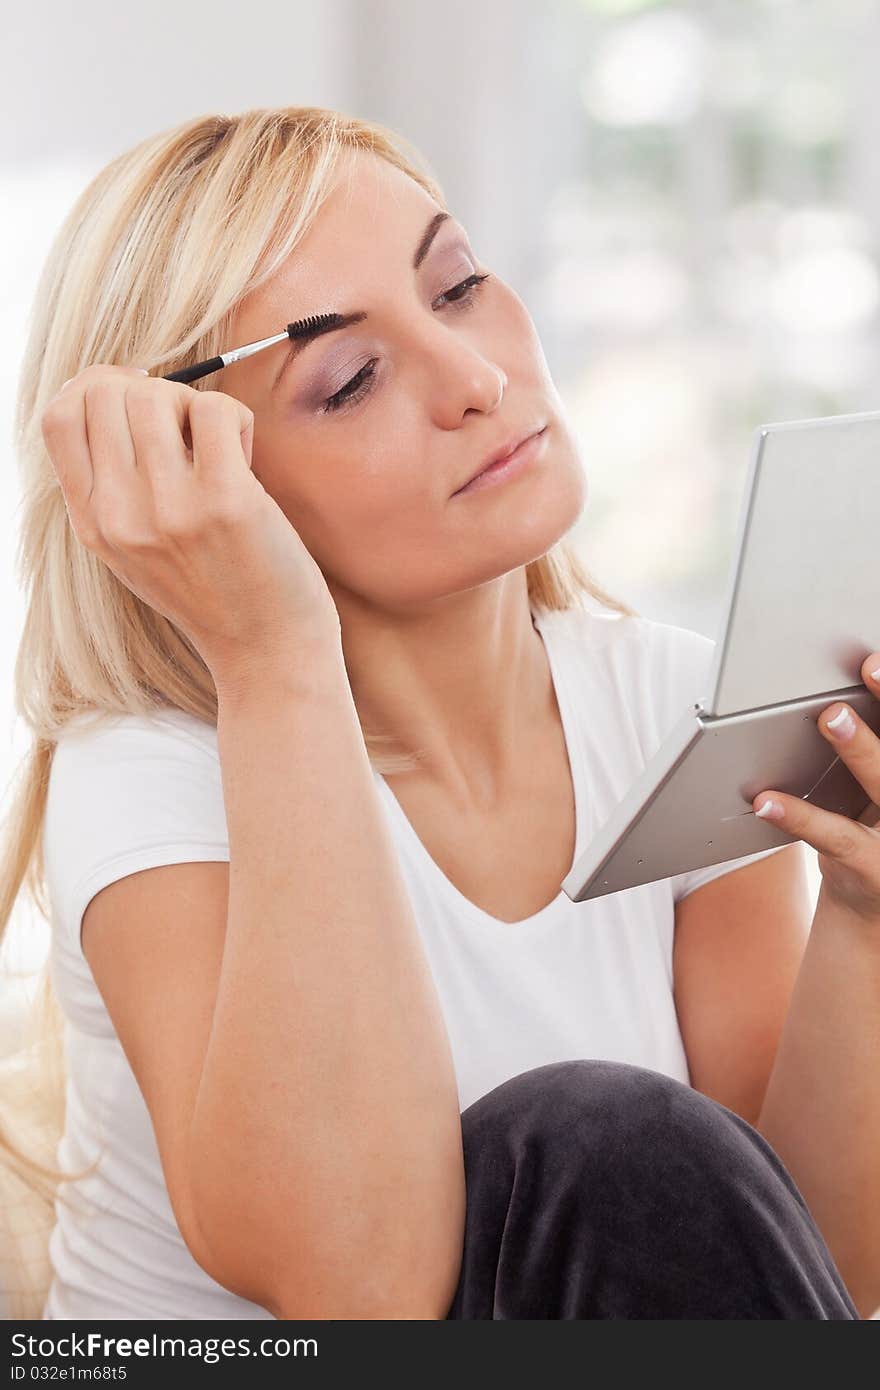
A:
(597, 1189)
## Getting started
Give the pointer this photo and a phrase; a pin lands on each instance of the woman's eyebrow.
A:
(297, 345)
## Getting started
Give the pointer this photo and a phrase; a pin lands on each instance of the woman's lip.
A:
(498, 472)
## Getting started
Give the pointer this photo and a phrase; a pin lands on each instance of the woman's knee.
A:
(581, 1099)
(602, 1189)
(614, 1123)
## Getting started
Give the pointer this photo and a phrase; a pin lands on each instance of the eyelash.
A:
(355, 388)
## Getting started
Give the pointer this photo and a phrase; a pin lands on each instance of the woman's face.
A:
(371, 429)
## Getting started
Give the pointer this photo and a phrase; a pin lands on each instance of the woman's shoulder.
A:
(128, 792)
(591, 624)
(94, 733)
(654, 668)
(112, 772)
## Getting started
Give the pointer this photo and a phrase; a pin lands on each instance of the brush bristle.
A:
(309, 325)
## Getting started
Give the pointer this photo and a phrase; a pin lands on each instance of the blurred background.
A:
(686, 196)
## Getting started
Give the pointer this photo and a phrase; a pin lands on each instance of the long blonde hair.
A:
(146, 270)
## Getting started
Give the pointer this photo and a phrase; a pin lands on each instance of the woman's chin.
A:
(550, 511)
(528, 532)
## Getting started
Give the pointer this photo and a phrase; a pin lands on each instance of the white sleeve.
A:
(682, 884)
(128, 793)
(681, 665)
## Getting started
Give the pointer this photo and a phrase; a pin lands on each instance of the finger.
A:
(65, 434)
(158, 414)
(141, 371)
(855, 743)
(850, 842)
(67, 444)
(222, 435)
(859, 748)
(110, 443)
(871, 673)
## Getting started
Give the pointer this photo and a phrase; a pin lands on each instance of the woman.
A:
(331, 726)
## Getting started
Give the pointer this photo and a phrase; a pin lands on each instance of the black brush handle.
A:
(186, 374)
(303, 328)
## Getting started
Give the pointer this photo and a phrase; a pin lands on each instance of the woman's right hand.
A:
(187, 528)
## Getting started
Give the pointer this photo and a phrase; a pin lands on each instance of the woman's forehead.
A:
(371, 222)
(363, 237)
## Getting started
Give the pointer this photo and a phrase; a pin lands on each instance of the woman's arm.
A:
(738, 946)
(821, 1112)
(776, 1019)
(325, 1150)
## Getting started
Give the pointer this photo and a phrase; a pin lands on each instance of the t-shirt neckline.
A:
(444, 885)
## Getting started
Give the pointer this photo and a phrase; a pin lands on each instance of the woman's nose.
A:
(464, 378)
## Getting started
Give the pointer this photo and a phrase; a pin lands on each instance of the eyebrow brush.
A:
(303, 328)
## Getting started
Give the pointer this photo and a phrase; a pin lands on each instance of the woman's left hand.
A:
(849, 850)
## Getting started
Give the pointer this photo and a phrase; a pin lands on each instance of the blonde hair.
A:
(146, 270)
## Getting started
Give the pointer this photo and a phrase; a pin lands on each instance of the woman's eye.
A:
(466, 291)
(461, 295)
(350, 390)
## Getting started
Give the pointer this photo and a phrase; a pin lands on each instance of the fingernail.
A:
(875, 675)
(842, 725)
(65, 383)
(770, 810)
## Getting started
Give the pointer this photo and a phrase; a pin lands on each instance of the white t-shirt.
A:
(591, 979)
